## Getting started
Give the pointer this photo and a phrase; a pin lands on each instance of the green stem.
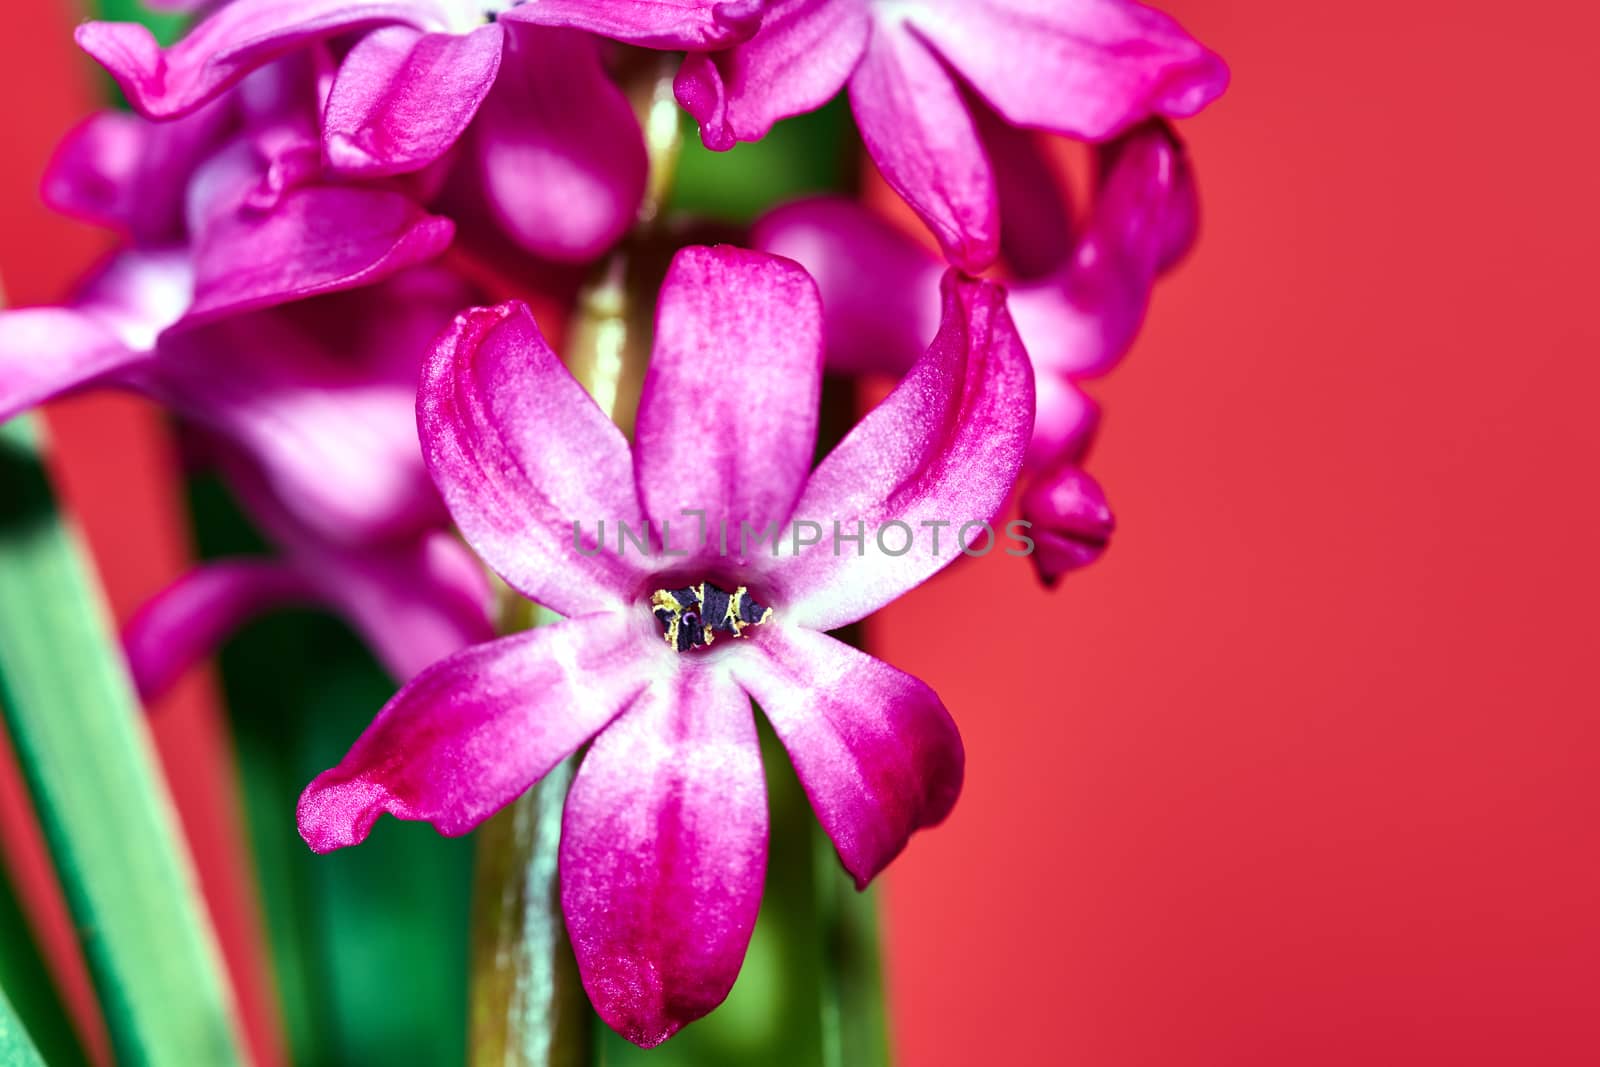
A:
(528, 1004)
(81, 741)
(854, 1020)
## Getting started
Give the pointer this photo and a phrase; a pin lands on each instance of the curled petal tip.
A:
(740, 17)
(130, 53)
(1193, 86)
(335, 814)
(701, 92)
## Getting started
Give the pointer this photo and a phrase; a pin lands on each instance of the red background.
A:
(1302, 773)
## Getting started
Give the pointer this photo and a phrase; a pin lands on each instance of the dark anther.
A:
(692, 617)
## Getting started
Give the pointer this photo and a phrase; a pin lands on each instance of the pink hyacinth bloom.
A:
(234, 305)
(1077, 315)
(1085, 68)
(530, 83)
(240, 184)
(413, 600)
(663, 845)
(318, 394)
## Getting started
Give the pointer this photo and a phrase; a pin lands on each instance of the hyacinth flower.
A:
(241, 183)
(1077, 316)
(528, 78)
(317, 393)
(663, 845)
(227, 306)
(413, 600)
(1089, 69)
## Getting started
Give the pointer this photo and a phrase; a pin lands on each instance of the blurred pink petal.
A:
(880, 289)
(106, 336)
(1083, 319)
(559, 154)
(128, 173)
(236, 39)
(669, 24)
(918, 131)
(1088, 68)
(189, 619)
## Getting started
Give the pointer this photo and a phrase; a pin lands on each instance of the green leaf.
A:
(23, 972)
(369, 944)
(80, 739)
(166, 25)
(15, 1048)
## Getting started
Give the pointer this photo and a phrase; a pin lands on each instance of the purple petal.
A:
(320, 395)
(105, 337)
(318, 240)
(413, 603)
(1072, 523)
(414, 600)
(1035, 218)
(238, 38)
(45, 352)
(803, 55)
(663, 852)
(944, 447)
(1088, 68)
(559, 153)
(880, 289)
(697, 25)
(262, 236)
(128, 173)
(471, 734)
(1144, 217)
(728, 416)
(1064, 419)
(521, 454)
(876, 751)
(917, 130)
(402, 98)
(1147, 195)
(192, 617)
(139, 294)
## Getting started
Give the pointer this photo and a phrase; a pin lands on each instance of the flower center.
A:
(692, 617)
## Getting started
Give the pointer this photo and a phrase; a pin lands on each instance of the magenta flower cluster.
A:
(305, 196)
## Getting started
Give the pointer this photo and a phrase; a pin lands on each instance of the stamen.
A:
(693, 616)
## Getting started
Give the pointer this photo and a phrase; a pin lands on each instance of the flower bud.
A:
(1071, 521)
